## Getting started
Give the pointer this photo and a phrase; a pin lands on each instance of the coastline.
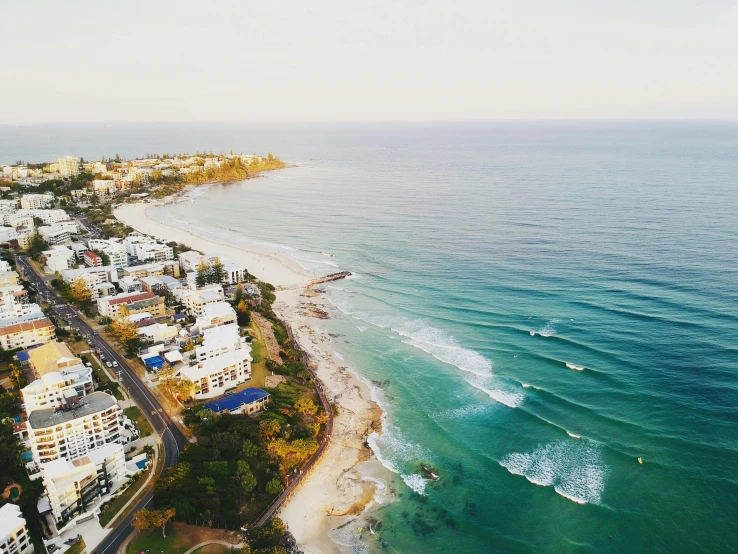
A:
(335, 491)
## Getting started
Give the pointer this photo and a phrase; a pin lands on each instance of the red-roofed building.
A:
(92, 259)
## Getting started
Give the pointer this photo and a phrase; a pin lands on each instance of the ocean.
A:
(536, 305)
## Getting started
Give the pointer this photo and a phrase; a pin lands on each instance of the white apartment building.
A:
(48, 217)
(17, 220)
(188, 261)
(146, 249)
(59, 258)
(194, 301)
(26, 333)
(59, 373)
(8, 204)
(220, 373)
(55, 234)
(20, 311)
(129, 284)
(214, 315)
(14, 537)
(80, 426)
(75, 486)
(7, 234)
(144, 270)
(92, 276)
(113, 248)
(68, 166)
(219, 340)
(36, 201)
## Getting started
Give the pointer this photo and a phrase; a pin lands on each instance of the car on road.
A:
(115, 364)
(95, 333)
(108, 364)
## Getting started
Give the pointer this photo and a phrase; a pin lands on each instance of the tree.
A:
(146, 519)
(203, 274)
(17, 376)
(123, 330)
(239, 293)
(305, 406)
(243, 315)
(79, 291)
(167, 378)
(274, 487)
(217, 272)
(187, 389)
(246, 479)
(268, 429)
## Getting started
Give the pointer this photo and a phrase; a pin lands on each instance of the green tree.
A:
(274, 487)
(217, 272)
(268, 429)
(203, 274)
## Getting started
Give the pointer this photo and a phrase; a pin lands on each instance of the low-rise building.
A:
(248, 401)
(144, 270)
(219, 340)
(188, 261)
(14, 537)
(92, 276)
(26, 333)
(79, 426)
(154, 306)
(194, 301)
(55, 234)
(111, 306)
(158, 332)
(103, 186)
(130, 284)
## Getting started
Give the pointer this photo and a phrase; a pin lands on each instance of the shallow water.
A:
(542, 305)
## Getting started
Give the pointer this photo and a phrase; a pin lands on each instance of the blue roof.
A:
(155, 362)
(23, 356)
(235, 401)
(177, 317)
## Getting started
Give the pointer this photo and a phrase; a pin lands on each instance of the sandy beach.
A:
(336, 491)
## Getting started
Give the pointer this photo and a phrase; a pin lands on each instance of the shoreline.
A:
(336, 491)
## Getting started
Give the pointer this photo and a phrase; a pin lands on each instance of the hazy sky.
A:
(372, 60)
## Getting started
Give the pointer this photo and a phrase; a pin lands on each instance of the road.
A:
(171, 436)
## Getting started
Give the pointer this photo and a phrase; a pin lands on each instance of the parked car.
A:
(115, 364)
(108, 364)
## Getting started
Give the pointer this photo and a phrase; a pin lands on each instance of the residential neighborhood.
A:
(89, 314)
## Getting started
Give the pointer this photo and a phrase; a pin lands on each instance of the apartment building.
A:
(214, 315)
(103, 186)
(75, 486)
(59, 374)
(47, 217)
(36, 201)
(219, 340)
(59, 258)
(26, 333)
(144, 270)
(146, 249)
(194, 301)
(218, 374)
(113, 248)
(188, 261)
(77, 427)
(68, 166)
(55, 234)
(92, 259)
(14, 537)
(115, 306)
(93, 276)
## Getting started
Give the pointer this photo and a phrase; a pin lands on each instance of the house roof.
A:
(26, 326)
(235, 401)
(131, 298)
(51, 357)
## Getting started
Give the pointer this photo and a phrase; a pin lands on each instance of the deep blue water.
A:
(542, 303)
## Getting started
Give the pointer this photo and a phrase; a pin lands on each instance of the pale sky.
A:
(376, 60)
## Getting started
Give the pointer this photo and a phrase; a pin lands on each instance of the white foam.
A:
(526, 386)
(511, 399)
(574, 468)
(572, 435)
(339, 356)
(416, 482)
(547, 330)
(361, 328)
(576, 367)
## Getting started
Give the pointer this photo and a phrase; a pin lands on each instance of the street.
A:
(172, 437)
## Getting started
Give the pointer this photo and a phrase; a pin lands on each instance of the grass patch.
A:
(111, 509)
(180, 538)
(78, 547)
(135, 414)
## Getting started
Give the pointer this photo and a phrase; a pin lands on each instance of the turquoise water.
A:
(538, 306)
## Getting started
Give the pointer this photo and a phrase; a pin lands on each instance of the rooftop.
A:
(91, 404)
(235, 401)
(51, 357)
(26, 326)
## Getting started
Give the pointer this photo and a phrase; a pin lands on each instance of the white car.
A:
(115, 364)
(108, 364)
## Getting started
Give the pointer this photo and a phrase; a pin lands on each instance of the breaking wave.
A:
(547, 330)
(575, 469)
(575, 367)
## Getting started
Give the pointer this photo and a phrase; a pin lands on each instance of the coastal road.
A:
(172, 437)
